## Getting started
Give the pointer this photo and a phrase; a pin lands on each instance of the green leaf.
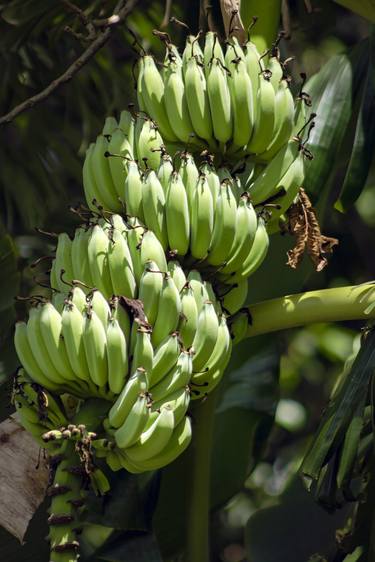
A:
(364, 139)
(365, 8)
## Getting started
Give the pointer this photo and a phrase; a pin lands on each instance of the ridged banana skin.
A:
(177, 274)
(246, 226)
(119, 149)
(197, 99)
(110, 124)
(177, 215)
(165, 358)
(143, 351)
(130, 431)
(220, 103)
(92, 193)
(39, 349)
(241, 94)
(152, 96)
(27, 358)
(79, 258)
(276, 70)
(264, 118)
(97, 252)
(189, 316)
(256, 255)
(291, 181)
(224, 225)
(117, 357)
(252, 66)
(180, 440)
(176, 103)
(212, 50)
(235, 298)
(73, 326)
(190, 175)
(99, 305)
(216, 364)
(120, 266)
(137, 384)
(178, 377)
(133, 191)
(63, 260)
(149, 144)
(265, 183)
(154, 439)
(153, 203)
(202, 222)
(102, 173)
(51, 331)
(178, 401)
(169, 311)
(196, 283)
(95, 344)
(165, 171)
(150, 287)
(284, 120)
(205, 337)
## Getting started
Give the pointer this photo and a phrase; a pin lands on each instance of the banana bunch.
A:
(37, 409)
(233, 102)
(108, 160)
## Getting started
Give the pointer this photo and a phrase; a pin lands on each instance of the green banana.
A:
(189, 315)
(133, 191)
(97, 252)
(117, 357)
(165, 358)
(197, 99)
(178, 377)
(137, 384)
(205, 337)
(143, 351)
(95, 344)
(130, 431)
(177, 215)
(153, 203)
(224, 225)
(176, 103)
(264, 117)
(169, 311)
(202, 221)
(150, 287)
(220, 103)
(120, 265)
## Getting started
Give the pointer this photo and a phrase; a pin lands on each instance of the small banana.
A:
(102, 173)
(165, 358)
(133, 191)
(202, 221)
(220, 103)
(137, 384)
(177, 274)
(151, 249)
(225, 219)
(176, 103)
(177, 215)
(143, 355)
(100, 306)
(178, 377)
(165, 171)
(264, 118)
(79, 258)
(150, 287)
(72, 328)
(151, 85)
(205, 337)
(153, 203)
(92, 193)
(95, 344)
(169, 311)
(149, 144)
(189, 315)
(178, 401)
(97, 252)
(212, 50)
(117, 357)
(233, 299)
(284, 120)
(120, 265)
(63, 261)
(197, 99)
(252, 58)
(153, 440)
(256, 255)
(130, 431)
(189, 175)
(119, 152)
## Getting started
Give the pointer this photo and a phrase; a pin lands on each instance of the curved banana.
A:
(177, 215)
(205, 337)
(150, 287)
(202, 221)
(117, 357)
(169, 311)
(130, 431)
(137, 384)
(153, 203)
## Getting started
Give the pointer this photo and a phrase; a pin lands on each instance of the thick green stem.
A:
(65, 502)
(356, 302)
(266, 28)
(198, 515)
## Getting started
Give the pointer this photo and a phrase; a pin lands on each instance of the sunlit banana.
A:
(165, 171)
(110, 125)
(177, 274)
(253, 70)
(264, 117)
(63, 260)
(233, 299)
(117, 357)
(224, 231)
(205, 337)
(151, 249)
(190, 175)
(212, 50)
(277, 72)
(150, 287)
(119, 151)
(137, 384)
(189, 316)
(154, 439)
(178, 377)
(133, 191)
(177, 215)
(220, 103)
(197, 99)
(169, 311)
(143, 351)
(120, 265)
(97, 252)
(72, 329)
(153, 203)
(95, 344)
(148, 144)
(130, 431)
(100, 306)
(176, 103)
(178, 401)
(79, 259)
(196, 283)
(284, 120)
(202, 221)
(151, 85)
(92, 193)
(102, 173)
(165, 358)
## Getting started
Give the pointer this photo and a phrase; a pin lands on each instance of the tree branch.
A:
(121, 11)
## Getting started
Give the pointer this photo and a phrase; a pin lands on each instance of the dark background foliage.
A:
(276, 387)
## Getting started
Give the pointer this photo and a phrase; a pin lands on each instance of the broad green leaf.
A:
(364, 139)
(365, 8)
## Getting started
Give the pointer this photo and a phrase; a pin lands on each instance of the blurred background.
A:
(276, 387)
